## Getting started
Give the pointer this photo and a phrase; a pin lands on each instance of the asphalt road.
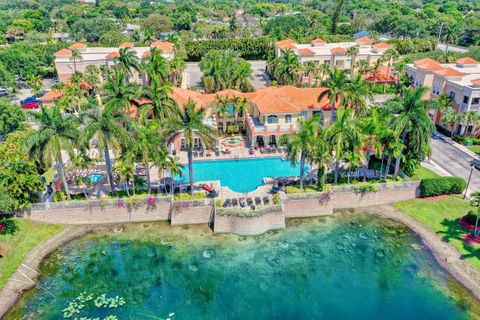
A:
(455, 161)
(192, 75)
(443, 47)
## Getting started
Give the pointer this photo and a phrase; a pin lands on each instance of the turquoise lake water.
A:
(241, 175)
(334, 268)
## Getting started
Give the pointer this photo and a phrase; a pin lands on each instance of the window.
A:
(183, 143)
(288, 119)
(318, 114)
(452, 95)
(272, 119)
(435, 90)
(465, 99)
(475, 100)
(326, 61)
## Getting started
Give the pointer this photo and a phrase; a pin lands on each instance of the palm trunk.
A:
(387, 167)
(147, 173)
(190, 167)
(302, 168)
(476, 232)
(108, 163)
(388, 73)
(397, 161)
(61, 174)
(352, 67)
(337, 164)
(320, 178)
(126, 187)
(366, 169)
(455, 124)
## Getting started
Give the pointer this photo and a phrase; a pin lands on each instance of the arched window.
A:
(288, 119)
(272, 119)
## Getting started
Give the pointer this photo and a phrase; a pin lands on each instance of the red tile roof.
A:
(63, 52)
(338, 50)
(163, 45)
(146, 54)
(430, 66)
(450, 72)
(51, 95)
(467, 60)
(318, 41)
(381, 76)
(305, 52)
(126, 45)
(78, 45)
(112, 55)
(364, 40)
(381, 45)
(423, 61)
(476, 82)
(286, 44)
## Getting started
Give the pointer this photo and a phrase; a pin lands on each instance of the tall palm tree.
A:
(469, 118)
(309, 68)
(411, 122)
(125, 171)
(450, 118)
(363, 67)
(76, 56)
(358, 94)
(106, 123)
(319, 73)
(352, 52)
(159, 104)
(56, 133)
(450, 35)
(337, 84)
(287, 68)
(156, 66)
(343, 136)
(127, 62)
(177, 65)
(321, 156)
(300, 145)
(371, 129)
(118, 91)
(190, 122)
(390, 55)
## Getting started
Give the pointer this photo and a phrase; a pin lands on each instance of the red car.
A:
(30, 105)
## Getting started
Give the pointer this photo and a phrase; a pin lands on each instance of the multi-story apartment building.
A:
(333, 54)
(66, 64)
(460, 81)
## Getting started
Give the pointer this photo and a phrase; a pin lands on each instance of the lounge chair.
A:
(258, 201)
(266, 200)
(227, 203)
(242, 202)
(234, 202)
(249, 201)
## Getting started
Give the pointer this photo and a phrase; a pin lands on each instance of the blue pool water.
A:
(241, 175)
(95, 177)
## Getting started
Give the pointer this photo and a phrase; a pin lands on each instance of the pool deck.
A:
(235, 153)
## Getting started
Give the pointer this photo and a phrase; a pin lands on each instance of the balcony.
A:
(257, 127)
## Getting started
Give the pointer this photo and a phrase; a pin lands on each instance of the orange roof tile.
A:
(63, 52)
(382, 75)
(126, 45)
(289, 99)
(467, 60)
(364, 40)
(305, 51)
(163, 45)
(318, 41)
(430, 66)
(338, 50)
(476, 82)
(146, 54)
(78, 45)
(112, 55)
(286, 44)
(450, 72)
(53, 94)
(423, 61)
(381, 45)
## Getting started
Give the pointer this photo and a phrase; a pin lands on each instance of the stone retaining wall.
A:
(191, 214)
(307, 207)
(249, 226)
(346, 200)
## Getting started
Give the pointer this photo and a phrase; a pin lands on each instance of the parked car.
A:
(30, 105)
(30, 99)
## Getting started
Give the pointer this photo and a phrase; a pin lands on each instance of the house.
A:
(332, 54)
(61, 36)
(459, 80)
(66, 65)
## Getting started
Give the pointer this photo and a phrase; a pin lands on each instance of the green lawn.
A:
(423, 173)
(475, 148)
(443, 216)
(15, 247)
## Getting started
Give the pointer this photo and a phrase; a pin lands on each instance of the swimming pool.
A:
(241, 175)
(95, 177)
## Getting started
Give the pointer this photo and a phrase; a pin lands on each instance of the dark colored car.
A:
(30, 99)
(30, 105)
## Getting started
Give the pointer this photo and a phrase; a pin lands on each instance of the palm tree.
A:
(105, 123)
(321, 156)
(390, 55)
(309, 68)
(125, 171)
(352, 52)
(319, 73)
(450, 117)
(357, 95)
(287, 68)
(337, 91)
(118, 91)
(342, 136)
(177, 65)
(363, 67)
(156, 66)
(126, 62)
(469, 118)
(371, 128)
(36, 83)
(450, 35)
(190, 123)
(411, 122)
(56, 133)
(159, 104)
(300, 145)
(76, 56)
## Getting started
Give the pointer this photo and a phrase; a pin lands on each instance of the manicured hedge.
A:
(440, 186)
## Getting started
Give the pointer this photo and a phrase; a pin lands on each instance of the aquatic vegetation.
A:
(84, 300)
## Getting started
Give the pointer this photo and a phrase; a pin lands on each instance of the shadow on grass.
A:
(453, 230)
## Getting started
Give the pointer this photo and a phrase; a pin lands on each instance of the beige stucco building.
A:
(460, 81)
(66, 64)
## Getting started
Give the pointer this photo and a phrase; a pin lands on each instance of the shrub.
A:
(366, 188)
(7, 225)
(440, 186)
(306, 188)
(471, 217)
(59, 196)
(188, 196)
(276, 199)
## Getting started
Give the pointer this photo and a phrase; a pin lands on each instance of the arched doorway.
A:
(260, 142)
(272, 140)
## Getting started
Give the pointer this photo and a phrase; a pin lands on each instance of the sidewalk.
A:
(432, 165)
(457, 145)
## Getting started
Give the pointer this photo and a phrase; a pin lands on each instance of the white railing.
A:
(381, 186)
